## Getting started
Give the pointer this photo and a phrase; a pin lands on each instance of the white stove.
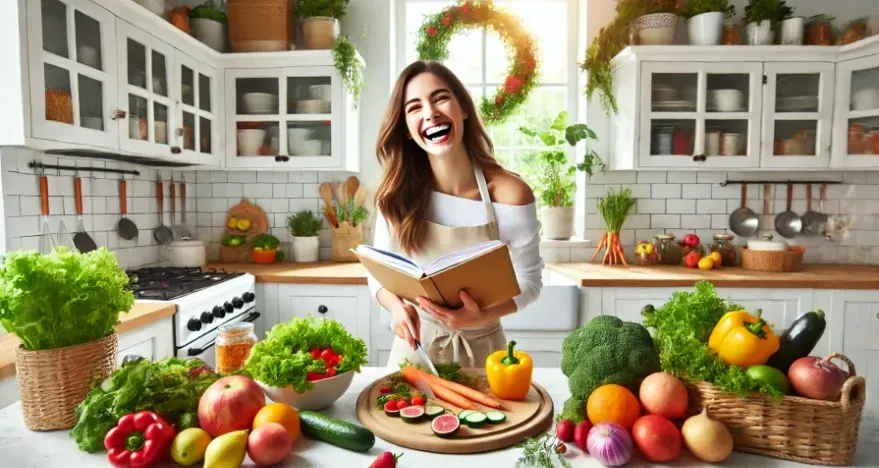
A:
(204, 298)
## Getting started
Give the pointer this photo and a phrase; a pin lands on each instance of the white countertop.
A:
(22, 448)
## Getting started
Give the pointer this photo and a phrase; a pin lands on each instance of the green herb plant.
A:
(349, 66)
(554, 182)
(697, 7)
(304, 224)
(265, 242)
(756, 11)
(538, 452)
(64, 298)
(681, 330)
(208, 10)
(284, 357)
(323, 8)
(353, 214)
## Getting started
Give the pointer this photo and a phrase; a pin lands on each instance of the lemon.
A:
(189, 447)
(227, 450)
(232, 223)
(716, 257)
(706, 263)
(243, 224)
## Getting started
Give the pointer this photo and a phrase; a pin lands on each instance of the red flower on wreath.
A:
(512, 84)
(446, 20)
(430, 30)
(499, 99)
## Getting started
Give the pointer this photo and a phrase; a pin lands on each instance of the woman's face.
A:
(434, 118)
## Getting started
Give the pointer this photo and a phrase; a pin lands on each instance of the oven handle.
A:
(197, 351)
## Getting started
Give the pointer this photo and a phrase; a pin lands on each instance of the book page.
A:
(460, 256)
(391, 259)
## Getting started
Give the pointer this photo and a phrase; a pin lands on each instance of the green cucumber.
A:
(464, 414)
(432, 411)
(336, 431)
(475, 419)
(496, 417)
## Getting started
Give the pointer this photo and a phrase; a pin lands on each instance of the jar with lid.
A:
(645, 254)
(732, 33)
(667, 252)
(234, 342)
(723, 245)
(819, 30)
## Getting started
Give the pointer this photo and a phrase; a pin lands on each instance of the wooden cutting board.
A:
(258, 225)
(526, 418)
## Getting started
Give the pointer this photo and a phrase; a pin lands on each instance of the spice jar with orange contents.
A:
(234, 342)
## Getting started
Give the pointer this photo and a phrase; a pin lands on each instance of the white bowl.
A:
(312, 147)
(313, 106)
(728, 100)
(321, 92)
(324, 393)
(296, 138)
(260, 103)
(249, 141)
(865, 99)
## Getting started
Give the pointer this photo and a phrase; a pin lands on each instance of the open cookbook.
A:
(484, 270)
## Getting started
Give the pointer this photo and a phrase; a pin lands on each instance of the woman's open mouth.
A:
(437, 133)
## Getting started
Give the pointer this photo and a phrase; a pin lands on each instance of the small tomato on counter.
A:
(139, 440)
(742, 339)
(509, 373)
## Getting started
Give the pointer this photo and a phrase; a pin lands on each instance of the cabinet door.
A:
(195, 139)
(860, 315)
(253, 118)
(856, 118)
(72, 57)
(339, 308)
(797, 114)
(145, 84)
(151, 342)
(700, 115)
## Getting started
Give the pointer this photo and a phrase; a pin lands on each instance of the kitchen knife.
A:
(423, 387)
(425, 358)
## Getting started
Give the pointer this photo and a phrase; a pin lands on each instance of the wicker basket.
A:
(345, 238)
(796, 428)
(260, 25)
(53, 382)
(778, 261)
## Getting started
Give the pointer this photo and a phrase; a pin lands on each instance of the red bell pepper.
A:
(139, 440)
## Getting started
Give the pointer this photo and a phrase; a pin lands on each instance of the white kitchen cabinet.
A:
(857, 113)
(858, 311)
(346, 304)
(154, 341)
(196, 134)
(267, 300)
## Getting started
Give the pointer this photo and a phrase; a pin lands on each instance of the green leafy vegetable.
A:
(62, 299)
(170, 387)
(539, 451)
(284, 357)
(353, 214)
(449, 371)
(266, 242)
(681, 331)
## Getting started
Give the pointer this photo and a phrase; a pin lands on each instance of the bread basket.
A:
(768, 255)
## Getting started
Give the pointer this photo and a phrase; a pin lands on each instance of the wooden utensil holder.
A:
(346, 237)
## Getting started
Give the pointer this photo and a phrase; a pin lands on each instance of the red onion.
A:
(610, 444)
(816, 378)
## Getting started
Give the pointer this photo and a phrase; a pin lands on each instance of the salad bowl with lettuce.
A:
(307, 363)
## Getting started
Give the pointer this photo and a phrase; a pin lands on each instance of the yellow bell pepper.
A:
(742, 339)
(509, 373)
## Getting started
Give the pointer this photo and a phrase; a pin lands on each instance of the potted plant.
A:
(553, 181)
(304, 227)
(320, 21)
(349, 66)
(64, 307)
(265, 249)
(762, 18)
(705, 20)
(208, 23)
(656, 22)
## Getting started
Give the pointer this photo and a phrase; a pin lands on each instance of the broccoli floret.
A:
(606, 350)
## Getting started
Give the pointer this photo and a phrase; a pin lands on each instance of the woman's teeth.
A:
(438, 132)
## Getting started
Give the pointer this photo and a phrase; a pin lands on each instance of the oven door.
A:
(203, 347)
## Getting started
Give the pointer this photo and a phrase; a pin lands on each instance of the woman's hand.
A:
(406, 323)
(469, 315)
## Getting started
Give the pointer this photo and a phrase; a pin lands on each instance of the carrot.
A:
(621, 253)
(411, 374)
(464, 390)
(600, 245)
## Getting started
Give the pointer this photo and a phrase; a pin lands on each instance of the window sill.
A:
(572, 243)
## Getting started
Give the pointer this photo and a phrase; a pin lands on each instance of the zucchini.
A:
(798, 340)
(496, 417)
(475, 419)
(336, 431)
(464, 414)
(432, 411)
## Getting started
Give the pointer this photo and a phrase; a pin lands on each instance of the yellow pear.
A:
(227, 450)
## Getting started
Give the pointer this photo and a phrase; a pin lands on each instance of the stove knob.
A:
(219, 312)
(206, 317)
(193, 325)
(248, 296)
(237, 303)
(228, 307)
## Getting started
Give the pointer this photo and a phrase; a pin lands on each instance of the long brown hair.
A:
(404, 191)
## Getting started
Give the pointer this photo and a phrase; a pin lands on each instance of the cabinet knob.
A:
(176, 150)
(699, 158)
(322, 309)
(282, 158)
(118, 114)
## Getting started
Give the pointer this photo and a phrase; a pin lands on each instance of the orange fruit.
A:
(282, 414)
(613, 403)
(717, 258)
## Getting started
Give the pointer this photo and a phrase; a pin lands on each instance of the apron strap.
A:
(486, 200)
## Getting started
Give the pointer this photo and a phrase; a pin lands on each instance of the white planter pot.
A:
(706, 29)
(306, 249)
(211, 33)
(791, 31)
(656, 29)
(557, 222)
(759, 34)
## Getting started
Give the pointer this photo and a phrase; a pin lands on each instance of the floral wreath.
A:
(438, 29)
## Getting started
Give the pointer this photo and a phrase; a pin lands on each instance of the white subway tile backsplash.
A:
(633, 221)
(297, 205)
(639, 190)
(711, 177)
(719, 221)
(279, 190)
(696, 191)
(696, 221)
(294, 190)
(310, 190)
(650, 206)
(12, 205)
(30, 206)
(271, 177)
(219, 204)
(711, 206)
(658, 221)
(680, 206)
(280, 205)
(259, 190)
(21, 184)
(665, 191)
(854, 177)
(652, 177)
(243, 177)
(682, 177)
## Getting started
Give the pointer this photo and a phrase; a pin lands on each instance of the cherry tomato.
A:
(314, 376)
(315, 353)
(402, 404)
(331, 372)
(391, 406)
(418, 400)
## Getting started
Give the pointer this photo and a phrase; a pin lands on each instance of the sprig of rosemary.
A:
(539, 451)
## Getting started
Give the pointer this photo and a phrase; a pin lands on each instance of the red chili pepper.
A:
(139, 440)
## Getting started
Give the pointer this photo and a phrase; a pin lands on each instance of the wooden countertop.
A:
(658, 276)
(302, 273)
(142, 314)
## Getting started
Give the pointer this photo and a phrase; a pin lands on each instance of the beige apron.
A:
(467, 346)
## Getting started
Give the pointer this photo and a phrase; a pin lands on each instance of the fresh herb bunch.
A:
(266, 242)
(611, 40)
(349, 66)
(398, 390)
(450, 371)
(698, 7)
(208, 10)
(757, 11)
(554, 181)
(325, 8)
(538, 452)
(353, 214)
(65, 298)
(681, 331)
(284, 357)
(304, 224)
(169, 387)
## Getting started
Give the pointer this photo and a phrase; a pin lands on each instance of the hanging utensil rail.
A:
(780, 182)
(38, 166)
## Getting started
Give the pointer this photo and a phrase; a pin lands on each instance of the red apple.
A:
(691, 240)
(230, 404)
(269, 444)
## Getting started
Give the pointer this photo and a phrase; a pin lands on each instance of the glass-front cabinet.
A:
(700, 114)
(291, 117)
(195, 135)
(73, 72)
(797, 114)
(856, 132)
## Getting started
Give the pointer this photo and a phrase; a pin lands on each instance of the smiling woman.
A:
(442, 190)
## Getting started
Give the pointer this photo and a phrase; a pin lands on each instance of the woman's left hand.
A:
(469, 315)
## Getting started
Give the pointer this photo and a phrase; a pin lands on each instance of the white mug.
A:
(732, 143)
(712, 143)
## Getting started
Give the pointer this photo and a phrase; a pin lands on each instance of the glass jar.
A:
(819, 30)
(644, 254)
(667, 252)
(234, 342)
(723, 245)
(732, 33)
